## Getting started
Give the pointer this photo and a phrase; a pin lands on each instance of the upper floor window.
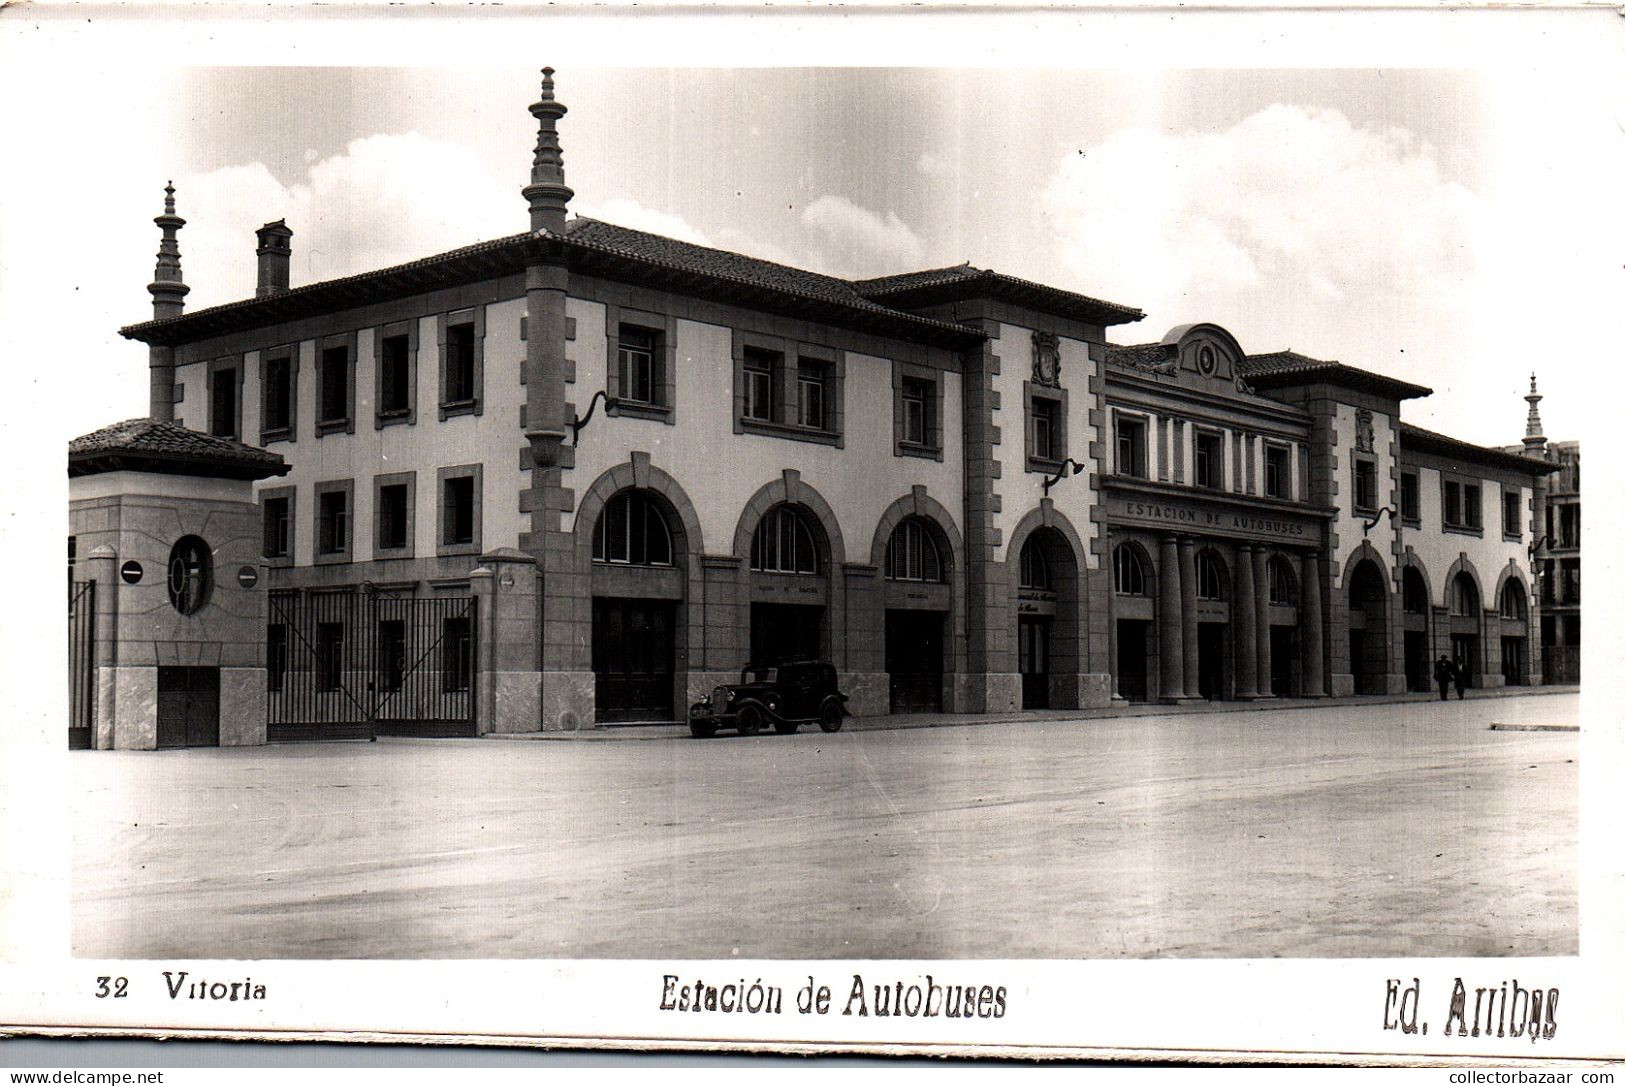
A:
(812, 380)
(1365, 484)
(223, 401)
(458, 521)
(395, 375)
(784, 543)
(1131, 459)
(1034, 571)
(459, 382)
(1410, 497)
(1046, 429)
(632, 531)
(1283, 583)
(1277, 471)
(638, 359)
(1209, 453)
(1128, 571)
(1209, 577)
(916, 410)
(912, 554)
(333, 521)
(333, 405)
(1511, 514)
(393, 516)
(1462, 505)
(278, 516)
(761, 375)
(1568, 525)
(276, 396)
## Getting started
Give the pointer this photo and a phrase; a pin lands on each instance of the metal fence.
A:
(81, 663)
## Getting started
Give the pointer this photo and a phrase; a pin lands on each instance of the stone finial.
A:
(167, 288)
(1534, 438)
(548, 195)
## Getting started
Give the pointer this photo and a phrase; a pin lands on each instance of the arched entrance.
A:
(1414, 598)
(1212, 626)
(638, 582)
(1046, 610)
(789, 586)
(1466, 610)
(1514, 633)
(917, 570)
(1368, 625)
(1134, 611)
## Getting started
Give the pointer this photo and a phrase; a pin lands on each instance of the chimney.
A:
(274, 252)
(167, 290)
(547, 192)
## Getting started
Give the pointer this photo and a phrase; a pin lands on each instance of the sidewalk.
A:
(901, 721)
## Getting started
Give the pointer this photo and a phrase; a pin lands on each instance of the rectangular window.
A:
(456, 656)
(223, 401)
(334, 402)
(1511, 521)
(761, 368)
(1452, 505)
(1046, 426)
(1365, 485)
(459, 518)
(459, 386)
(1277, 471)
(329, 655)
(1131, 447)
(1472, 502)
(333, 522)
(1568, 525)
(395, 376)
(812, 382)
(391, 654)
(638, 352)
(916, 411)
(277, 514)
(1209, 460)
(1410, 497)
(276, 390)
(392, 517)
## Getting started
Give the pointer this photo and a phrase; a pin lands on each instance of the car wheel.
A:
(750, 720)
(830, 715)
(785, 727)
(702, 729)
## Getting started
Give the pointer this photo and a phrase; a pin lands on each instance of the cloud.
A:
(858, 241)
(1288, 199)
(631, 214)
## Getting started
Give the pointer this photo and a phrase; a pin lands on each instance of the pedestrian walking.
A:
(1460, 669)
(1444, 672)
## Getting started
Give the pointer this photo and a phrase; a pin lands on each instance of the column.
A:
(1261, 586)
(102, 568)
(1314, 629)
(1187, 624)
(1245, 617)
(1170, 638)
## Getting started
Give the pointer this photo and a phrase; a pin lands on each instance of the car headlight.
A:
(705, 699)
(730, 695)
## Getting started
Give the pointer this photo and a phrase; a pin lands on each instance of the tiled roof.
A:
(962, 281)
(1277, 368)
(151, 445)
(1420, 440)
(1141, 356)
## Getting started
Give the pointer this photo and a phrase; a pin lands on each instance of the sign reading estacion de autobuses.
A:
(1200, 517)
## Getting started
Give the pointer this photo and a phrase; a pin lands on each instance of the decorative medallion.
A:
(1047, 359)
(1242, 385)
(191, 574)
(1206, 360)
(1364, 435)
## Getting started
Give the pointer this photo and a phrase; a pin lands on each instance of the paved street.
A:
(1374, 830)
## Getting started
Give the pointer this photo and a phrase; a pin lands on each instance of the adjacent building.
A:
(584, 473)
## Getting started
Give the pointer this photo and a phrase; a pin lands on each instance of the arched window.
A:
(1416, 591)
(1209, 577)
(784, 543)
(1128, 571)
(632, 531)
(912, 555)
(1034, 569)
(1514, 604)
(1283, 583)
(1463, 596)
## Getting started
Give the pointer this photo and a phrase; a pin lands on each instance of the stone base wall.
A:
(516, 703)
(1342, 684)
(868, 693)
(569, 700)
(242, 706)
(132, 716)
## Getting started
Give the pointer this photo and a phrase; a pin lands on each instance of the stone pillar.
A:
(508, 690)
(1314, 629)
(1187, 623)
(1170, 635)
(102, 567)
(1246, 614)
(863, 667)
(1261, 589)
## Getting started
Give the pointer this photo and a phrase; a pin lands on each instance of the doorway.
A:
(1133, 659)
(1284, 661)
(1032, 651)
(1210, 660)
(914, 660)
(188, 707)
(634, 651)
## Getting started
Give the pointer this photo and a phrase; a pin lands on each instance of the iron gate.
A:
(354, 665)
(81, 663)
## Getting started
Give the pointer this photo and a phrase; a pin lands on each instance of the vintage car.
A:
(786, 696)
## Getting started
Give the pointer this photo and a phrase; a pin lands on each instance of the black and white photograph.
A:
(1066, 542)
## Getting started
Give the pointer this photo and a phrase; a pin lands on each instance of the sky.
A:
(1455, 226)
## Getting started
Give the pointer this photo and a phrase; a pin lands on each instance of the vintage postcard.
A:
(1018, 533)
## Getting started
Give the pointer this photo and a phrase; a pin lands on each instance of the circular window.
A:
(1205, 360)
(191, 574)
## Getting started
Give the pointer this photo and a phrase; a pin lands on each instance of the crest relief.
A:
(1364, 432)
(1047, 359)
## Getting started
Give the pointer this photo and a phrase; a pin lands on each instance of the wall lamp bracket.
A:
(1376, 518)
(1068, 466)
(579, 424)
